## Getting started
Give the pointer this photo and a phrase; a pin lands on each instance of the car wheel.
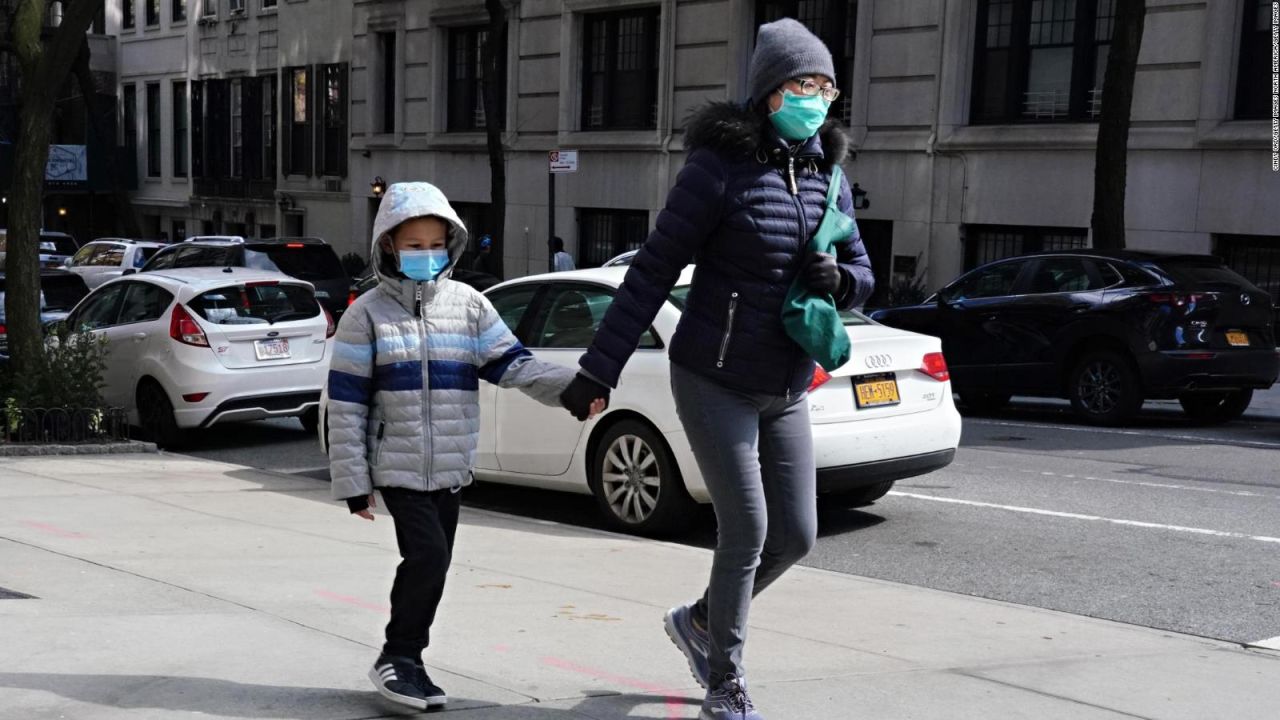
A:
(1216, 407)
(982, 402)
(310, 420)
(156, 414)
(1104, 388)
(636, 482)
(861, 496)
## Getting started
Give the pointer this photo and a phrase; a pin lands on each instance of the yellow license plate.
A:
(880, 392)
(1238, 339)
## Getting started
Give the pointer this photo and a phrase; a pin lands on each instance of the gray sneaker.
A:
(694, 642)
(729, 701)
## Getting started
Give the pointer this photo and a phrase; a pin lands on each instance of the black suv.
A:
(1105, 330)
(309, 259)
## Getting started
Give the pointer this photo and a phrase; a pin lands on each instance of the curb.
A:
(130, 447)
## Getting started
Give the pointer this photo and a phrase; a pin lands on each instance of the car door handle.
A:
(139, 336)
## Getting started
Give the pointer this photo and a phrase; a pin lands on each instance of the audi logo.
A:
(878, 361)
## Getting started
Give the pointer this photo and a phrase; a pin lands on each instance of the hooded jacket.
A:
(744, 205)
(402, 399)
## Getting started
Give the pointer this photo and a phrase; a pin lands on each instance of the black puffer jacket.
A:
(736, 208)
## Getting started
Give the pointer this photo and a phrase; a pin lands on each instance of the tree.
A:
(45, 57)
(1110, 171)
(495, 57)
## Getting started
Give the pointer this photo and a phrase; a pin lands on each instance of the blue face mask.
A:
(800, 116)
(423, 265)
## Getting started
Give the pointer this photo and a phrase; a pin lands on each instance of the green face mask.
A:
(800, 116)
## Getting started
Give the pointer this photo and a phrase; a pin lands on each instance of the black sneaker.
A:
(403, 680)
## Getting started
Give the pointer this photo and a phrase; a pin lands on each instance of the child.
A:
(402, 410)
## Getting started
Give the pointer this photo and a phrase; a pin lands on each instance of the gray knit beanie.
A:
(786, 49)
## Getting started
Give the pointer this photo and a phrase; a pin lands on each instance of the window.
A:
(237, 129)
(99, 310)
(269, 127)
(1253, 85)
(511, 304)
(179, 230)
(573, 313)
(1041, 60)
(297, 126)
(333, 134)
(835, 21)
(467, 48)
(236, 7)
(602, 234)
(180, 127)
(129, 98)
(267, 4)
(620, 71)
(385, 100)
(209, 8)
(997, 281)
(153, 130)
(107, 256)
(153, 12)
(1256, 257)
(987, 243)
(1065, 275)
(142, 255)
(179, 11)
(144, 302)
(255, 304)
(127, 13)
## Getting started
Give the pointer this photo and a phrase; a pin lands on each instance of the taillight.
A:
(820, 377)
(184, 329)
(330, 328)
(351, 298)
(935, 366)
(294, 245)
(1180, 299)
(195, 397)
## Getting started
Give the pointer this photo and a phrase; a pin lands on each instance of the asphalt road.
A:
(1163, 524)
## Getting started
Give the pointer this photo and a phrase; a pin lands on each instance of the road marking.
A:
(1137, 433)
(1268, 644)
(353, 601)
(1093, 518)
(51, 529)
(1141, 483)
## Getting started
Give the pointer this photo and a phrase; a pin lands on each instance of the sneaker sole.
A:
(413, 702)
(668, 624)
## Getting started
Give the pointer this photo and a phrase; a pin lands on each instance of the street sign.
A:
(563, 161)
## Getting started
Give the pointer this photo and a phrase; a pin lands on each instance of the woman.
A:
(750, 196)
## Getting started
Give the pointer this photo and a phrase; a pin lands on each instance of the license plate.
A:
(876, 392)
(271, 349)
(1238, 339)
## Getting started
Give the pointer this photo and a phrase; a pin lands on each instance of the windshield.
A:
(256, 304)
(303, 261)
(58, 245)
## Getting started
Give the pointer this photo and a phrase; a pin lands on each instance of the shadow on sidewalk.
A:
(226, 698)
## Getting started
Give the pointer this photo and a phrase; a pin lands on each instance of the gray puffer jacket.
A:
(401, 405)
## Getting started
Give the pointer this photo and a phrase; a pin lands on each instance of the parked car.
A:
(193, 347)
(1105, 330)
(885, 415)
(478, 280)
(55, 248)
(309, 259)
(59, 292)
(107, 258)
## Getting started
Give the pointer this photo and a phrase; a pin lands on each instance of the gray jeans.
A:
(755, 453)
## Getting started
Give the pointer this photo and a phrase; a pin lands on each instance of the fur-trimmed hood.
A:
(736, 130)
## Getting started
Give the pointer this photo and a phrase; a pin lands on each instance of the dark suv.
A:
(1105, 330)
(309, 259)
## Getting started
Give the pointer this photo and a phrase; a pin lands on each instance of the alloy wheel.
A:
(1101, 387)
(631, 479)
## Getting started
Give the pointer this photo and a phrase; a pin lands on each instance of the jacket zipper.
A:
(377, 452)
(427, 439)
(803, 237)
(728, 329)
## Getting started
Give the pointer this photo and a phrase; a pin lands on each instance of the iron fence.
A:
(50, 426)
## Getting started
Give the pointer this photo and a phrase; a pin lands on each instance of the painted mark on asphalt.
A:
(1140, 483)
(51, 529)
(1136, 433)
(1268, 644)
(673, 704)
(353, 601)
(1092, 518)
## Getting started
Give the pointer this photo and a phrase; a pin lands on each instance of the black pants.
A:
(426, 523)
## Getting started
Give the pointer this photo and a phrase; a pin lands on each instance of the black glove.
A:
(822, 275)
(358, 503)
(577, 398)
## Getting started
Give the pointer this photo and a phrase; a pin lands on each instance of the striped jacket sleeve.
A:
(505, 362)
(350, 397)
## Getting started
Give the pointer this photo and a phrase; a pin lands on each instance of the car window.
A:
(83, 254)
(58, 245)
(1133, 275)
(256, 304)
(99, 310)
(144, 302)
(572, 316)
(108, 256)
(995, 281)
(1063, 275)
(62, 291)
(190, 257)
(305, 261)
(511, 304)
(142, 255)
(164, 260)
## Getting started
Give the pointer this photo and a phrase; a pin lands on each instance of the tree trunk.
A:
(1111, 162)
(495, 58)
(45, 63)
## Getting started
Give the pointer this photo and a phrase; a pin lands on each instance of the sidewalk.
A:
(166, 586)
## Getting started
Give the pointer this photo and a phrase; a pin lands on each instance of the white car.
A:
(885, 415)
(108, 258)
(193, 347)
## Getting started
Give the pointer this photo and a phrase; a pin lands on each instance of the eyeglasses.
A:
(811, 88)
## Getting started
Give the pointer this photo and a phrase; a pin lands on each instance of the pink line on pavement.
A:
(51, 529)
(672, 703)
(355, 601)
(502, 648)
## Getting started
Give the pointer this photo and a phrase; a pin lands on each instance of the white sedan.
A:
(885, 415)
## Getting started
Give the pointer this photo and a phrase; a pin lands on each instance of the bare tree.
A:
(1110, 174)
(45, 56)
(493, 90)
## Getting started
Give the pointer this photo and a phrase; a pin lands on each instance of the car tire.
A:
(155, 413)
(859, 497)
(310, 420)
(1218, 407)
(1104, 388)
(636, 482)
(979, 402)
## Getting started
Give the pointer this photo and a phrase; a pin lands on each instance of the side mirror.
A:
(66, 263)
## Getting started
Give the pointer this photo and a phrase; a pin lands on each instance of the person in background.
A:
(483, 261)
(564, 261)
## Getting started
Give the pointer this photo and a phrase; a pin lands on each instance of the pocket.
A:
(728, 329)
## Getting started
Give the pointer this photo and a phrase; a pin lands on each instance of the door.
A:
(97, 314)
(1060, 294)
(137, 331)
(972, 323)
(513, 304)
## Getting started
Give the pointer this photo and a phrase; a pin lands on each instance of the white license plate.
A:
(276, 349)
